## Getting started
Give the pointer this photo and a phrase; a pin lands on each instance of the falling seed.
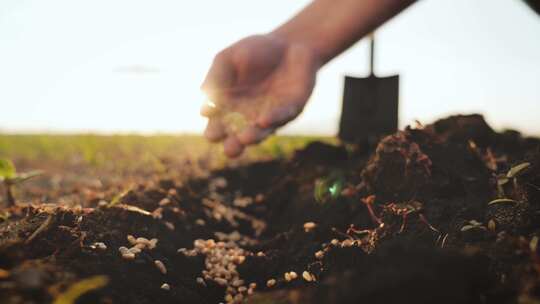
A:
(159, 264)
(270, 283)
(319, 254)
(165, 286)
(308, 276)
(309, 226)
(293, 275)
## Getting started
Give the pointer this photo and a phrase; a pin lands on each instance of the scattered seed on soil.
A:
(270, 283)
(308, 276)
(309, 226)
(165, 286)
(160, 266)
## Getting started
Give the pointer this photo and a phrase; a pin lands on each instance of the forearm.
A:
(331, 26)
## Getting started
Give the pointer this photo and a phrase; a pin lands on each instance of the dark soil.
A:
(424, 186)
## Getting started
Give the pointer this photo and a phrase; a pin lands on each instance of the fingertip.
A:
(253, 134)
(277, 117)
(214, 131)
(232, 147)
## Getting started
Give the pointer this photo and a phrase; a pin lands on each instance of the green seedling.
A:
(79, 288)
(328, 188)
(10, 177)
(511, 176)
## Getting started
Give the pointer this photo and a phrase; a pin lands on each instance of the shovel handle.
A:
(371, 54)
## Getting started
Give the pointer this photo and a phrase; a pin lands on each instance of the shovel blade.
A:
(370, 108)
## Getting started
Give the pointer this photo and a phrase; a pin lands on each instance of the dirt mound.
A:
(447, 213)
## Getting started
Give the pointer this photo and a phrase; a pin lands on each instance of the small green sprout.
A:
(9, 177)
(79, 288)
(328, 188)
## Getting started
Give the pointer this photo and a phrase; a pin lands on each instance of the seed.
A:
(164, 202)
(260, 254)
(239, 259)
(200, 281)
(252, 285)
(159, 264)
(347, 243)
(165, 286)
(533, 244)
(123, 250)
(242, 289)
(319, 254)
(142, 240)
(128, 256)
(152, 243)
(99, 246)
(131, 239)
(309, 226)
(334, 242)
(220, 281)
(293, 275)
(239, 298)
(229, 298)
(169, 226)
(308, 276)
(491, 225)
(200, 222)
(270, 283)
(238, 283)
(134, 250)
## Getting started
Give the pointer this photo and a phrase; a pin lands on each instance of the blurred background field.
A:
(85, 168)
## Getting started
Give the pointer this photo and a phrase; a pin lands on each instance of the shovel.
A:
(370, 106)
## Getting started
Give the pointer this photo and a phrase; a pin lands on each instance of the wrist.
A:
(289, 38)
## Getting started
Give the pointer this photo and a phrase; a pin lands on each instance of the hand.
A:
(257, 85)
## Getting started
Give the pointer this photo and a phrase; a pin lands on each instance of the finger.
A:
(253, 135)
(278, 116)
(215, 130)
(221, 76)
(232, 147)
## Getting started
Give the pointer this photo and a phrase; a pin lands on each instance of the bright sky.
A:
(136, 66)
